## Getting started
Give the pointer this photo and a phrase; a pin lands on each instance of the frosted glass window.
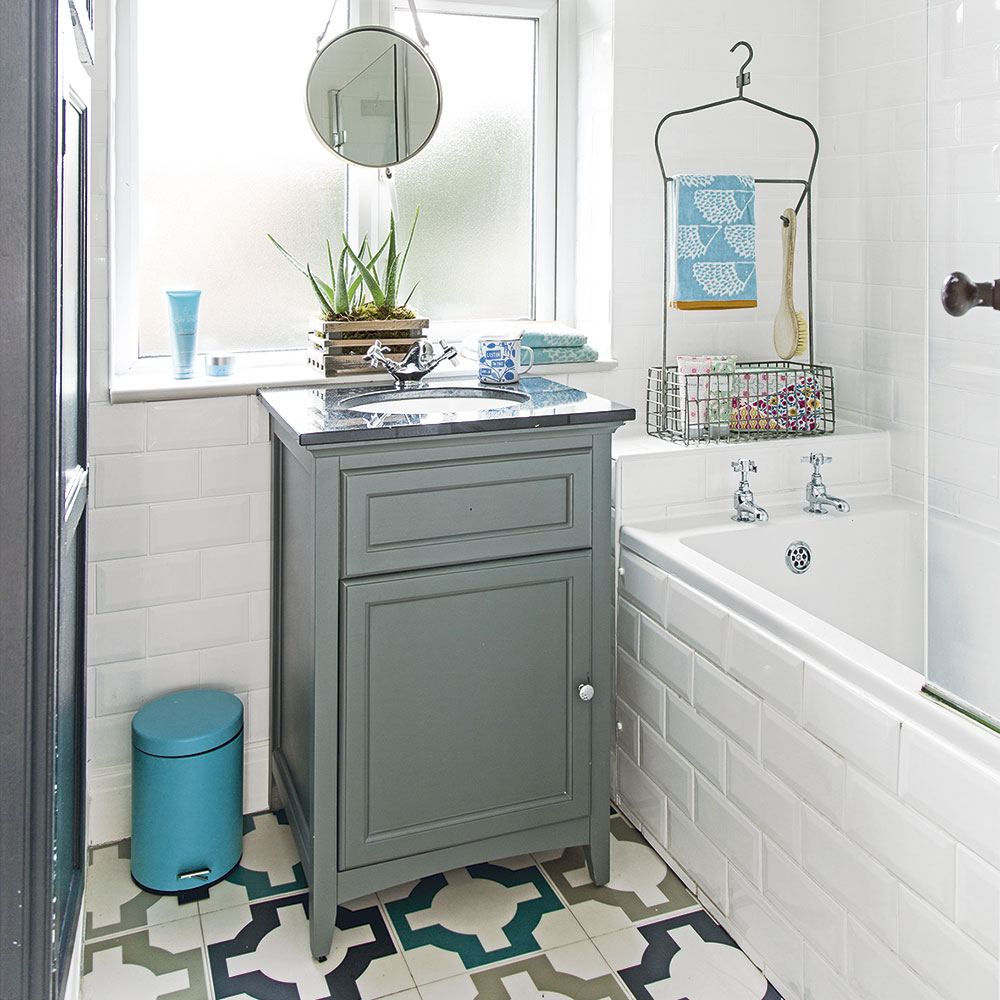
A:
(474, 183)
(225, 156)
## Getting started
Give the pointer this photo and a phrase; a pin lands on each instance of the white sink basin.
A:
(443, 400)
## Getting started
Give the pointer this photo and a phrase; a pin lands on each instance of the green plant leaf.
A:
(328, 307)
(297, 264)
(406, 251)
(410, 296)
(368, 275)
(341, 299)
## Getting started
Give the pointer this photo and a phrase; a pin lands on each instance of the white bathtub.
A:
(859, 609)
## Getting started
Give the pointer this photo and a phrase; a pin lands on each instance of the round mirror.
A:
(373, 97)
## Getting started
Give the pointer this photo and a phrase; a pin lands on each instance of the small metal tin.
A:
(219, 365)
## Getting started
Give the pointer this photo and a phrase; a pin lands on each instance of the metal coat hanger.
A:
(743, 81)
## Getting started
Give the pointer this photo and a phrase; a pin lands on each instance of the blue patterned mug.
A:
(500, 360)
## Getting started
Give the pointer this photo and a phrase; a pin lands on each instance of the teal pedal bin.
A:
(187, 790)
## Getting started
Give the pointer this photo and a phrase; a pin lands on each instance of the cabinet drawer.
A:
(443, 513)
(460, 712)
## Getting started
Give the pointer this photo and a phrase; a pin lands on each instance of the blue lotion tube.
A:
(183, 330)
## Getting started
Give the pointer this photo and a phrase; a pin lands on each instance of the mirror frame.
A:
(430, 65)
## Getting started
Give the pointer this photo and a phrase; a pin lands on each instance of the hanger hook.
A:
(743, 77)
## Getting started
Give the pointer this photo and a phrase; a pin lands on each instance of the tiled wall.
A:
(178, 543)
(872, 218)
(850, 851)
(665, 56)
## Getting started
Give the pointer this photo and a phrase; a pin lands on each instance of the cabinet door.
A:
(461, 717)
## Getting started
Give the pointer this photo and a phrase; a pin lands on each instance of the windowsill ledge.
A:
(155, 382)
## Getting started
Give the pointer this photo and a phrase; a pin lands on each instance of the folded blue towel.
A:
(564, 355)
(540, 338)
(712, 242)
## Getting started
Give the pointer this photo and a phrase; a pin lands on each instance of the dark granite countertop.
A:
(317, 416)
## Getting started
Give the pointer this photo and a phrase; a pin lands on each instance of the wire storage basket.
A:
(760, 399)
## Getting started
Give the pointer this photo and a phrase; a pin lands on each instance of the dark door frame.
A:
(29, 504)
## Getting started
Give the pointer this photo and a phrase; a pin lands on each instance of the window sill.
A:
(154, 381)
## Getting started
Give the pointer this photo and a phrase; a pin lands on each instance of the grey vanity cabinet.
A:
(440, 649)
(462, 718)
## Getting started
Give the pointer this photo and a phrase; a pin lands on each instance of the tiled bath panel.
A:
(511, 929)
(852, 853)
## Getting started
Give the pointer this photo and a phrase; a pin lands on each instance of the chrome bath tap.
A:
(746, 508)
(419, 361)
(817, 499)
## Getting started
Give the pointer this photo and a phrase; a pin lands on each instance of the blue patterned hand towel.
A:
(712, 242)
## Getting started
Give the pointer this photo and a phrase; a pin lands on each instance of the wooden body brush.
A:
(791, 331)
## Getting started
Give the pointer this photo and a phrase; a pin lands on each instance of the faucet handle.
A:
(817, 459)
(744, 465)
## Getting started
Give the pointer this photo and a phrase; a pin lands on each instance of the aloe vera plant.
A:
(357, 289)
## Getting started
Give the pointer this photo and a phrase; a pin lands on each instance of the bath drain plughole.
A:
(798, 557)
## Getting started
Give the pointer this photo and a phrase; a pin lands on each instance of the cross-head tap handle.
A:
(817, 459)
(743, 466)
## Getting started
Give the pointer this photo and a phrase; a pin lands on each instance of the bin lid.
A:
(187, 722)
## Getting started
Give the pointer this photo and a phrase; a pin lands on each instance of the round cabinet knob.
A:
(586, 692)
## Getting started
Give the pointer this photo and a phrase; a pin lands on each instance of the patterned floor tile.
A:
(114, 903)
(576, 971)
(261, 951)
(685, 957)
(167, 960)
(269, 867)
(641, 886)
(476, 916)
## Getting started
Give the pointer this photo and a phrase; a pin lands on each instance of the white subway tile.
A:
(942, 955)
(627, 731)
(697, 739)
(661, 479)
(667, 768)
(766, 801)
(109, 740)
(766, 931)
(215, 621)
(704, 863)
(117, 428)
(196, 423)
(916, 851)
(700, 622)
(878, 974)
(852, 724)
(242, 667)
(765, 666)
(821, 982)
(666, 657)
(644, 798)
(977, 903)
(810, 910)
(235, 569)
(126, 687)
(644, 585)
(257, 723)
(118, 635)
(628, 629)
(643, 692)
(728, 829)
(117, 532)
(196, 524)
(728, 704)
(952, 790)
(228, 471)
(804, 764)
(260, 517)
(145, 478)
(260, 614)
(260, 422)
(146, 581)
(866, 889)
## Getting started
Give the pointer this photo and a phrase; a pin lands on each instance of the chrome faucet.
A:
(747, 509)
(817, 499)
(419, 361)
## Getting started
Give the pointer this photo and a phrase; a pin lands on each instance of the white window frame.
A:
(368, 199)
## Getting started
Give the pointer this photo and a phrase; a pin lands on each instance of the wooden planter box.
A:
(338, 348)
